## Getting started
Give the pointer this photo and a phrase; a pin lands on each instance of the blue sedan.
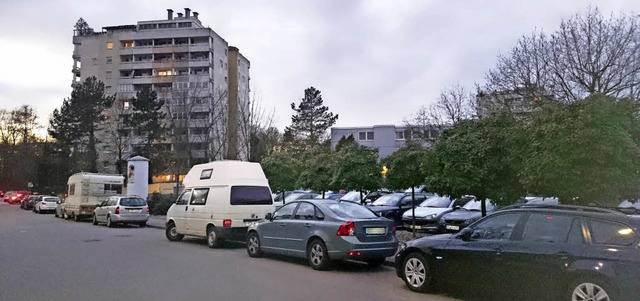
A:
(323, 231)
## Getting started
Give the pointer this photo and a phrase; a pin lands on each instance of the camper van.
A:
(219, 201)
(86, 190)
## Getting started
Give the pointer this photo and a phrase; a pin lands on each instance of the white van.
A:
(86, 190)
(219, 201)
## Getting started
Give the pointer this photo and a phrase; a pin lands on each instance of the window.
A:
(199, 196)
(575, 234)
(133, 202)
(72, 189)
(113, 188)
(285, 211)
(184, 24)
(127, 44)
(365, 136)
(609, 233)
(250, 195)
(305, 211)
(126, 104)
(400, 135)
(206, 174)
(108, 75)
(351, 210)
(547, 228)
(109, 45)
(183, 199)
(164, 72)
(498, 227)
(109, 60)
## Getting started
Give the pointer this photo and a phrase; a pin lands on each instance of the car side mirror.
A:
(465, 234)
(456, 207)
(268, 216)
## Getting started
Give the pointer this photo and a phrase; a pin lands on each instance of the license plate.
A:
(452, 227)
(134, 211)
(375, 231)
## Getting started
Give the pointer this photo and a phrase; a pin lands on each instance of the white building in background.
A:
(202, 79)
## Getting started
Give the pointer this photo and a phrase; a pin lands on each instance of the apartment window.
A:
(400, 135)
(365, 136)
(108, 75)
(184, 24)
(127, 44)
(164, 73)
(126, 104)
(109, 60)
(109, 45)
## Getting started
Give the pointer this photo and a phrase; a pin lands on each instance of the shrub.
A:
(159, 203)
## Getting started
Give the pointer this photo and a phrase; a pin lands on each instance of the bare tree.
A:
(117, 135)
(587, 54)
(256, 128)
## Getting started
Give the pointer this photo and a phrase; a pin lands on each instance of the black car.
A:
(28, 202)
(533, 253)
(374, 195)
(393, 205)
(462, 217)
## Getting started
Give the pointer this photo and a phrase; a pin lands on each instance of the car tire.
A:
(253, 245)
(375, 262)
(66, 216)
(94, 220)
(172, 233)
(589, 288)
(318, 256)
(415, 272)
(142, 224)
(110, 224)
(213, 241)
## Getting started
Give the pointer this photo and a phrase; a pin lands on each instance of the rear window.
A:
(132, 202)
(50, 199)
(250, 195)
(351, 210)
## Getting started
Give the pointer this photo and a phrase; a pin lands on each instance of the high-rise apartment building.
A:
(203, 81)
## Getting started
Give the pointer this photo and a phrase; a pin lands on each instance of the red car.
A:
(17, 197)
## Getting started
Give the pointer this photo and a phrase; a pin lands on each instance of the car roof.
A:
(583, 211)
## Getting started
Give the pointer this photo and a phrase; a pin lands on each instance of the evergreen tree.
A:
(311, 119)
(147, 117)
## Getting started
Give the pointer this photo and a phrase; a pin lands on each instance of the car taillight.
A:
(118, 210)
(346, 229)
(394, 228)
(226, 223)
(353, 254)
(147, 209)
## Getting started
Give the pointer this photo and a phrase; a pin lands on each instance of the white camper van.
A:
(86, 190)
(219, 201)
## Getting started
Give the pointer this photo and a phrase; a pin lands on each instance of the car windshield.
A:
(436, 202)
(387, 200)
(50, 200)
(132, 202)
(353, 196)
(350, 210)
(475, 205)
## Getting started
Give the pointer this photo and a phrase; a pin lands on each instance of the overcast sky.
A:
(375, 62)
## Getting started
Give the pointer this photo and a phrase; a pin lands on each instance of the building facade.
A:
(516, 102)
(203, 81)
(387, 139)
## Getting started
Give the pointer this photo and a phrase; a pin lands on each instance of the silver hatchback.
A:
(322, 231)
(122, 210)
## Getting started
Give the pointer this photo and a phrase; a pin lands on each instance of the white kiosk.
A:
(138, 176)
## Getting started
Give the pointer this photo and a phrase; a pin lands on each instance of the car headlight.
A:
(431, 216)
(402, 246)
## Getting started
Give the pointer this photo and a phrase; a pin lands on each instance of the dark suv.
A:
(532, 252)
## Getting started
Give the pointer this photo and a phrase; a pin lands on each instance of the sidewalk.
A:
(157, 221)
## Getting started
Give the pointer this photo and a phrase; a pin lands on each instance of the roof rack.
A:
(567, 207)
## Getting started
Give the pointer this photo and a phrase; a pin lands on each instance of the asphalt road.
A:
(45, 258)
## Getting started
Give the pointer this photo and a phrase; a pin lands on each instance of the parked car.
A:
(539, 200)
(45, 203)
(353, 196)
(17, 197)
(532, 253)
(331, 196)
(28, 202)
(291, 196)
(323, 231)
(122, 210)
(60, 209)
(374, 195)
(460, 218)
(429, 213)
(393, 205)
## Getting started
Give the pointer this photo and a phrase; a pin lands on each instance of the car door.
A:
(300, 228)
(179, 211)
(272, 232)
(101, 211)
(477, 261)
(544, 250)
(196, 215)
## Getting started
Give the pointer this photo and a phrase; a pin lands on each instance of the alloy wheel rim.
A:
(173, 232)
(415, 272)
(316, 254)
(211, 237)
(253, 245)
(589, 292)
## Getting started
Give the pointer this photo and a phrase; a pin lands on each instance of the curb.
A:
(156, 227)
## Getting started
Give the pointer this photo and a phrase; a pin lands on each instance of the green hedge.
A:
(159, 203)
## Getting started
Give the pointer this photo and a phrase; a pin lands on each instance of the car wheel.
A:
(318, 256)
(94, 220)
(65, 215)
(591, 290)
(415, 272)
(142, 224)
(172, 233)
(253, 245)
(213, 241)
(374, 262)
(109, 222)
